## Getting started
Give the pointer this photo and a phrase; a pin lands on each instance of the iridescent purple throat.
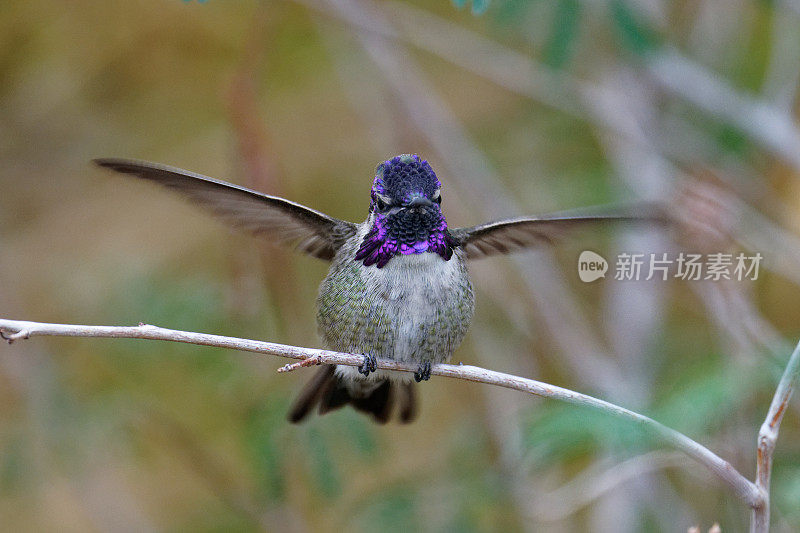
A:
(378, 246)
(414, 229)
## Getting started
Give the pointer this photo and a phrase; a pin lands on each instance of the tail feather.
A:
(407, 398)
(329, 392)
(311, 393)
(333, 396)
(378, 403)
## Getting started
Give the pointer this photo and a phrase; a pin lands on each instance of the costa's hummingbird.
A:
(398, 286)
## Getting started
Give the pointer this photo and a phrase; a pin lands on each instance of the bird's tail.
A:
(330, 392)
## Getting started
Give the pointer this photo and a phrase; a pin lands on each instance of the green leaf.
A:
(513, 11)
(390, 510)
(633, 33)
(565, 29)
(567, 432)
(706, 394)
(479, 7)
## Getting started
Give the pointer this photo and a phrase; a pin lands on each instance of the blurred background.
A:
(521, 107)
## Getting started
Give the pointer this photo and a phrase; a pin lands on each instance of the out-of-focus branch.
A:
(765, 123)
(782, 77)
(244, 114)
(13, 330)
(255, 159)
(513, 70)
(469, 50)
(793, 5)
(767, 437)
(592, 485)
(768, 124)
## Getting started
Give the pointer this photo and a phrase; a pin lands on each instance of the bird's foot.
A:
(369, 365)
(423, 373)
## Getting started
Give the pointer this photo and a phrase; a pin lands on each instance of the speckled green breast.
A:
(416, 308)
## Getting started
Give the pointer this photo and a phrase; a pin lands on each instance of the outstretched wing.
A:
(506, 236)
(277, 219)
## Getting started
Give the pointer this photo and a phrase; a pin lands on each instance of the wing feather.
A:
(265, 216)
(511, 235)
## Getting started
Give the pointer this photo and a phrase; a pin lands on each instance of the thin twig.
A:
(744, 489)
(767, 437)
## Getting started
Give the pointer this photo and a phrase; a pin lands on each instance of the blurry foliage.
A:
(632, 33)
(263, 436)
(13, 467)
(479, 7)
(629, 30)
(786, 487)
(565, 29)
(705, 393)
(561, 434)
(390, 510)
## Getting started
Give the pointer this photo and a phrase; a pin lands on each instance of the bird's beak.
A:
(419, 201)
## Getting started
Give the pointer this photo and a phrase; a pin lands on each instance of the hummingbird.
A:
(398, 286)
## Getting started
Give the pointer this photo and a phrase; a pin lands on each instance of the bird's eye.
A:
(438, 199)
(380, 205)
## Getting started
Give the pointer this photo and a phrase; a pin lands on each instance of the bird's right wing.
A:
(277, 219)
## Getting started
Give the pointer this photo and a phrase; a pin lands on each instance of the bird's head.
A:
(405, 183)
(405, 212)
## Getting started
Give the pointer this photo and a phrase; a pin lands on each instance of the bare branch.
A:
(767, 437)
(745, 489)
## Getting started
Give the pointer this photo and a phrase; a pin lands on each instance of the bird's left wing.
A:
(506, 236)
(271, 217)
